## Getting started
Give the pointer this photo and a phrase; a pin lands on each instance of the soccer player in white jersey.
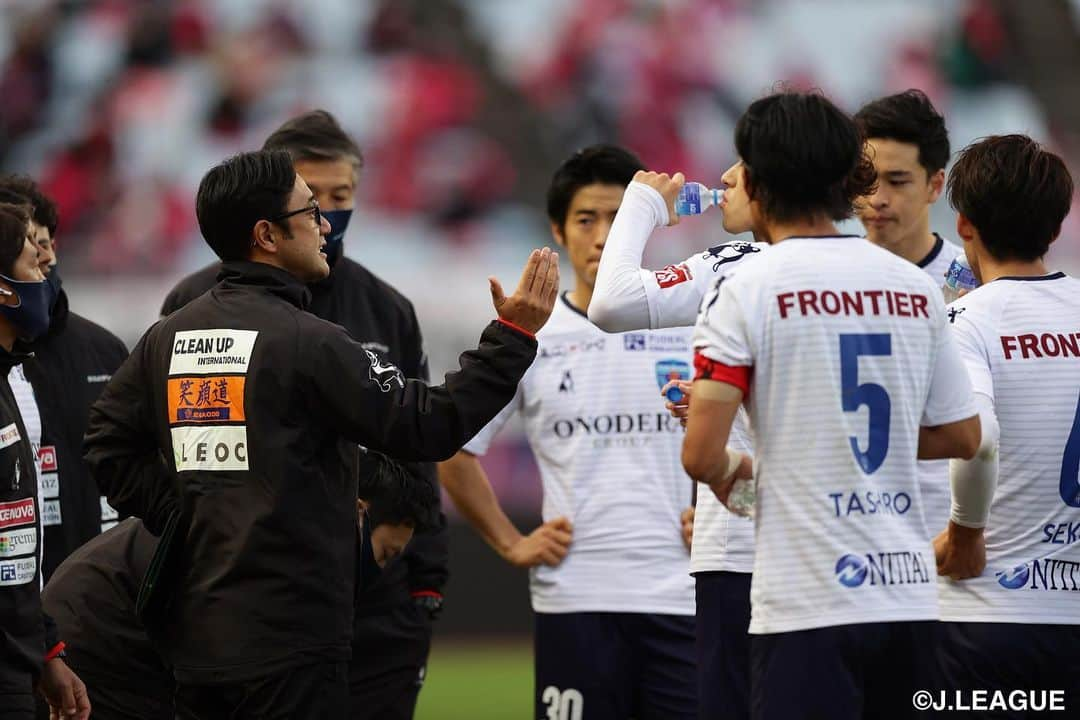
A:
(614, 620)
(841, 352)
(1016, 624)
(908, 143)
(628, 297)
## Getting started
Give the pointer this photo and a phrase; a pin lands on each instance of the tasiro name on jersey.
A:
(1061, 533)
(619, 424)
(870, 503)
(1042, 574)
(883, 568)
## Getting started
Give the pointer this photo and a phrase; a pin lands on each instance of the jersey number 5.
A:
(876, 399)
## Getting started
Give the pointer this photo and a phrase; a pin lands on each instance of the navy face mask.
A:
(31, 315)
(369, 569)
(335, 240)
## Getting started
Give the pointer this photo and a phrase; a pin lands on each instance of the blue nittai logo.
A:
(851, 570)
(634, 341)
(1015, 578)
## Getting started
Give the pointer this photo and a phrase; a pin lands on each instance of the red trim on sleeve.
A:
(520, 329)
(426, 593)
(57, 649)
(709, 369)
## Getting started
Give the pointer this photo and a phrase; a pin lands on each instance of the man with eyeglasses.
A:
(394, 616)
(232, 432)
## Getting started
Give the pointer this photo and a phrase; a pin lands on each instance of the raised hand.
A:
(667, 185)
(531, 304)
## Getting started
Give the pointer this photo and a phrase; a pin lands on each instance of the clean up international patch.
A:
(207, 352)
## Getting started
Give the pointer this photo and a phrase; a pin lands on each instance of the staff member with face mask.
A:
(30, 652)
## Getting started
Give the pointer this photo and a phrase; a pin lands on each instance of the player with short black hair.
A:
(1010, 607)
(613, 602)
(908, 142)
(818, 328)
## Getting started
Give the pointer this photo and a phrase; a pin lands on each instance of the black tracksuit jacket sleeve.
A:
(408, 419)
(121, 446)
(427, 557)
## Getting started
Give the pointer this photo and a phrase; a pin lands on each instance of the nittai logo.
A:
(851, 570)
(1015, 578)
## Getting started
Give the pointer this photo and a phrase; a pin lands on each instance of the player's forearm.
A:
(470, 490)
(974, 481)
(619, 302)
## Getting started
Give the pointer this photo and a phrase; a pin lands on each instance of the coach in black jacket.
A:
(239, 414)
(393, 618)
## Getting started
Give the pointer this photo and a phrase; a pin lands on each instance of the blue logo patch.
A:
(634, 341)
(668, 370)
(7, 572)
(851, 571)
(1015, 578)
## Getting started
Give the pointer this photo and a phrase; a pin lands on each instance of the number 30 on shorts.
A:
(568, 704)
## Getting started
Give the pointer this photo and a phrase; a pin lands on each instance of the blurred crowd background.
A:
(463, 109)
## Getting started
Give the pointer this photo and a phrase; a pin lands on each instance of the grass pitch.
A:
(477, 682)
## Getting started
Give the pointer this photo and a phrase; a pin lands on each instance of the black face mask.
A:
(369, 569)
(54, 281)
(31, 315)
(335, 240)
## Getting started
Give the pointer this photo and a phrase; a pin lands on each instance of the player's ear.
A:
(936, 186)
(965, 229)
(557, 234)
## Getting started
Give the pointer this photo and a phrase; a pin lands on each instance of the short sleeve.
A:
(950, 398)
(721, 333)
(973, 350)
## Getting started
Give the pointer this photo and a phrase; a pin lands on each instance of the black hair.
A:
(20, 189)
(803, 157)
(606, 164)
(908, 117)
(13, 228)
(1015, 192)
(240, 192)
(316, 135)
(397, 493)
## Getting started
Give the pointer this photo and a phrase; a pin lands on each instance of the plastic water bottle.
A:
(959, 277)
(695, 198)
(743, 498)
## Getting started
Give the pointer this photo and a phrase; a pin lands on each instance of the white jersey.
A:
(723, 541)
(934, 474)
(1020, 340)
(48, 500)
(634, 298)
(845, 352)
(609, 459)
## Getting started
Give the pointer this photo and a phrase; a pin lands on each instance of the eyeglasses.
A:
(313, 208)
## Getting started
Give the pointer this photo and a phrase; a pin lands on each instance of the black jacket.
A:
(22, 623)
(91, 596)
(69, 369)
(382, 320)
(248, 410)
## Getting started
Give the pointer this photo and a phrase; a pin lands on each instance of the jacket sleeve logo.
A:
(729, 253)
(385, 375)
